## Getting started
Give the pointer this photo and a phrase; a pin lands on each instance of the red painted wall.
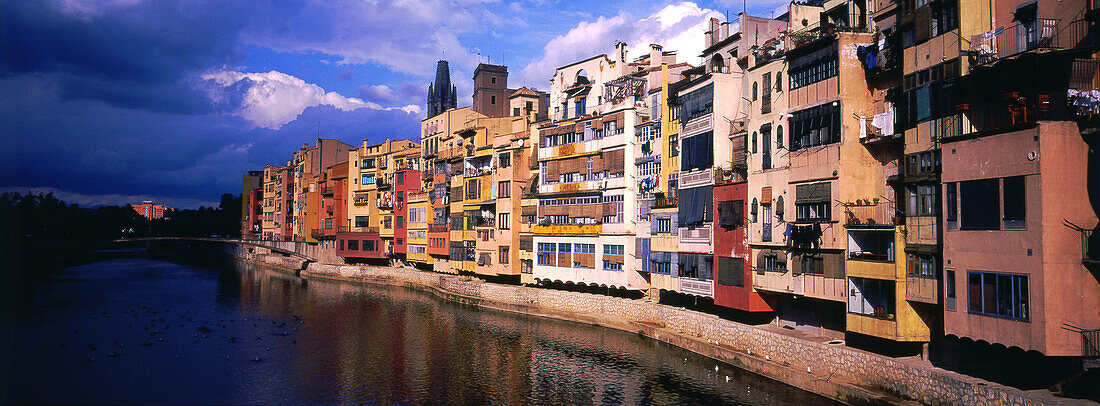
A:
(732, 242)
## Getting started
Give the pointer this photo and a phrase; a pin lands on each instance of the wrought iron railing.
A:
(871, 214)
(1037, 34)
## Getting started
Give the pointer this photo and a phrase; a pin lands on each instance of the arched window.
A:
(779, 136)
(582, 78)
(779, 208)
(779, 81)
(717, 64)
(752, 209)
(753, 150)
(754, 85)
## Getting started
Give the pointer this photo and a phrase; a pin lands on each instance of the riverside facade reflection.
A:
(240, 334)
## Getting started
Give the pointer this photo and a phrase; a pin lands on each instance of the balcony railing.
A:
(323, 234)
(1037, 34)
(328, 189)
(484, 222)
(872, 214)
(662, 200)
(346, 229)
(438, 228)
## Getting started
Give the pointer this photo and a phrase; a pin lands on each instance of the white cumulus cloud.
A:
(272, 99)
(678, 27)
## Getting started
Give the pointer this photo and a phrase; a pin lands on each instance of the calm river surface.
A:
(141, 330)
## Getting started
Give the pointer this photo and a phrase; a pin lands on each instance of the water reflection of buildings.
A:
(386, 345)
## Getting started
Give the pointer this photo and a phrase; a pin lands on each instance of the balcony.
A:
(382, 184)
(328, 234)
(663, 201)
(484, 221)
(568, 229)
(438, 228)
(922, 289)
(1035, 35)
(872, 214)
(346, 229)
(328, 190)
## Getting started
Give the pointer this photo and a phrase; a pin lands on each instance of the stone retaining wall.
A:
(736, 343)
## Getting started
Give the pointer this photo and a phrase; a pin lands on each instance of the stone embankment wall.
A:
(838, 372)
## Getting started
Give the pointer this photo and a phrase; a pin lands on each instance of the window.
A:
(673, 145)
(697, 103)
(353, 245)
(504, 255)
(546, 254)
(816, 67)
(730, 213)
(754, 91)
(997, 294)
(779, 81)
(951, 199)
(978, 205)
(400, 241)
(871, 297)
(871, 245)
(1014, 202)
(812, 264)
(753, 149)
(771, 263)
(815, 126)
(505, 159)
(949, 290)
(362, 221)
(493, 99)
(766, 94)
(766, 228)
(779, 137)
(493, 80)
(813, 211)
(515, 111)
(400, 222)
(504, 221)
(612, 266)
(609, 249)
(753, 210)
(664, 225)
(921, 265)
(401, 178)
(504, 189)
(922, 200)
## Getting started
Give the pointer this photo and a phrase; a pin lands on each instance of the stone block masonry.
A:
(838, 372)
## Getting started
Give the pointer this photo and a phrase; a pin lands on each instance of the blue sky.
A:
(117, 101)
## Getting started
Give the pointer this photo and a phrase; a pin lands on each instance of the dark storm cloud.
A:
(144, 56)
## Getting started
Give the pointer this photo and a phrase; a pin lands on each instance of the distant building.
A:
(252, 197)
(150, 210)
(441, 94)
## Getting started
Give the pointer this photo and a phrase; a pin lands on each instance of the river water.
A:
(141, 330)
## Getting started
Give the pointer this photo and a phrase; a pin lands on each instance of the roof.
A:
(729, 40)
(604, 56)
(524, 91)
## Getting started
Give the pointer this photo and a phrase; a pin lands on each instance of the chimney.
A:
(712, 32)
(655, 55)
(620, 49)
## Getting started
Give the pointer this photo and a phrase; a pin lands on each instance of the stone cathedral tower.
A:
(441, 94)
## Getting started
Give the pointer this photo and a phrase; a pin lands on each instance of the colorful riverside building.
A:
(309, 162)
(332, 189)
(252, 198)
(1018, 172)
(477, 172)
(278, 198)
(150, 210)
(369, 229)
(588, 181)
